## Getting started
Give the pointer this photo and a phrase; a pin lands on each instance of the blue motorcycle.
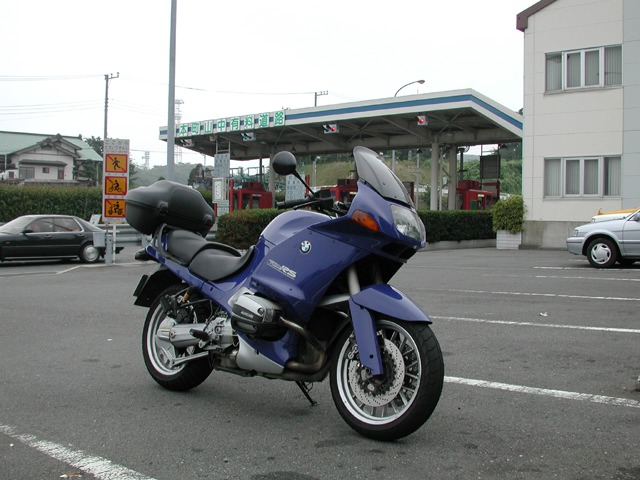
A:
(310, 300)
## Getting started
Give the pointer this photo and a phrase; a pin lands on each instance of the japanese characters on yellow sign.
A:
(115, 183)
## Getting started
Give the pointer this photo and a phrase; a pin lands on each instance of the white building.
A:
(46, 159)
(581, 143)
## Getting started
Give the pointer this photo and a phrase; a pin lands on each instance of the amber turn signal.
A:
(366, 220)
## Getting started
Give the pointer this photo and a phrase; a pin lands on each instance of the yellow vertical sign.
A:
(115, 180)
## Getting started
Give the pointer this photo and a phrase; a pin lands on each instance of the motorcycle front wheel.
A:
(159, 355)
(398, 402)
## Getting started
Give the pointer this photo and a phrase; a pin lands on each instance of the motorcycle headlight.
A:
(407, 222)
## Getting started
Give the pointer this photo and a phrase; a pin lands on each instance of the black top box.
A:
(168, 202)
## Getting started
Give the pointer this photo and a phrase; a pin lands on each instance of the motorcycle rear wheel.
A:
(401, 400)
(180, 377)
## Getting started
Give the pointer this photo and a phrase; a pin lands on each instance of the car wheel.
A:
(89, 253)
(602, 253)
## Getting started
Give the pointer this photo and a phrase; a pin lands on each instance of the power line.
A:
(42, 78)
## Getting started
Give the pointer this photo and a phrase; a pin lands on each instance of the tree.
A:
(510, 151)
(96, 143)
(133, 172)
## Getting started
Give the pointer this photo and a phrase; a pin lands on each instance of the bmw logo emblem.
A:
(305, 247)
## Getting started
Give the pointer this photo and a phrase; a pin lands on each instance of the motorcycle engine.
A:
(257, 316)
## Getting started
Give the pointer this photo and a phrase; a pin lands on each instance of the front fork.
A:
(381, 298)
(364, 327)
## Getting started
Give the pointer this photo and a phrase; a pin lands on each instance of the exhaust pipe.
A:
(313, 342)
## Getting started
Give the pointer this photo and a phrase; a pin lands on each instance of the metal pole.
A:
(417, 190)
(393, 152)
(106, 100)
(171, 122)
(316, 95)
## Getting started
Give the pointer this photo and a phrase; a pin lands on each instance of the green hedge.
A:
(242, 228)
(18, 200)
(457, 225)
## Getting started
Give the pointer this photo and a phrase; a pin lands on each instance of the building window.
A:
(582, 177)
(588, 68)
(27, 172)
(61, 174)
(45, 169)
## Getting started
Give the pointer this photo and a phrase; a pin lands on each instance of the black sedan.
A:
(50, 236)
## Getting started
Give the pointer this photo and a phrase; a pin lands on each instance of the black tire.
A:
(626, 262)
(89, 253)
(406, 396)
(602, 253)
(184, 376)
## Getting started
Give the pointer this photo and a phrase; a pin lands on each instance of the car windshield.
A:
(372, 170)
(17, 225)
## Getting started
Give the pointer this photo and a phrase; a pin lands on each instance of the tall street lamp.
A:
(393, 152)
(410, 83)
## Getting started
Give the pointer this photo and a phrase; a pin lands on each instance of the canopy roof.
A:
(457, 118)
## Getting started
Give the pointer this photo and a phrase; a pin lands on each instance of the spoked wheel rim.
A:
(378, 401)
(160, 350)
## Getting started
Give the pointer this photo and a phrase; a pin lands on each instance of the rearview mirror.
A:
(284, 163)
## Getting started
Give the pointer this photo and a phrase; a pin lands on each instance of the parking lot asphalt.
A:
(541, 361)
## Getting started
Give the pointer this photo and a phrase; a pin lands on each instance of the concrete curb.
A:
(488, 243)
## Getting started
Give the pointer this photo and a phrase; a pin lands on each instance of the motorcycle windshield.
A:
(372, 170)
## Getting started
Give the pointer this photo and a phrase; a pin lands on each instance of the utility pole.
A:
(111, 76)
(316, 95)
(171, 123)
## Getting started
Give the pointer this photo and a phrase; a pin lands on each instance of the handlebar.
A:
(294, 203)
(320, 201)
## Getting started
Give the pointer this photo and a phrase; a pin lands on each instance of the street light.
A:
(410, 83)
(393, 152)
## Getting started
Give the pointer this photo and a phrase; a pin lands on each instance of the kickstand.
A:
(305, 389)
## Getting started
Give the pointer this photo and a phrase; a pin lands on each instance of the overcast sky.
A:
(241, 57)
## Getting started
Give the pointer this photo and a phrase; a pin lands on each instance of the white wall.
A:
(631, 81)
(577, 123)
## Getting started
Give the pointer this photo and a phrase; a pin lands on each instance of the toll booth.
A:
(249, 196)
(345, 190)
(471, 196)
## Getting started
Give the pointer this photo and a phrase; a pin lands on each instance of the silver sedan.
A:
(605, 243)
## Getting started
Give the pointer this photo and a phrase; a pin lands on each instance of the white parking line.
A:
(599, 279)
(554, 295)
(99, 467)
(585, 397)
(534, 324)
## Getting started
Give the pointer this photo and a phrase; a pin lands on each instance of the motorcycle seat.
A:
(209, 260)
(215, 264)
(185, 245)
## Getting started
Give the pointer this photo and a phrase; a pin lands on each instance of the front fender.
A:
(387, 301)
